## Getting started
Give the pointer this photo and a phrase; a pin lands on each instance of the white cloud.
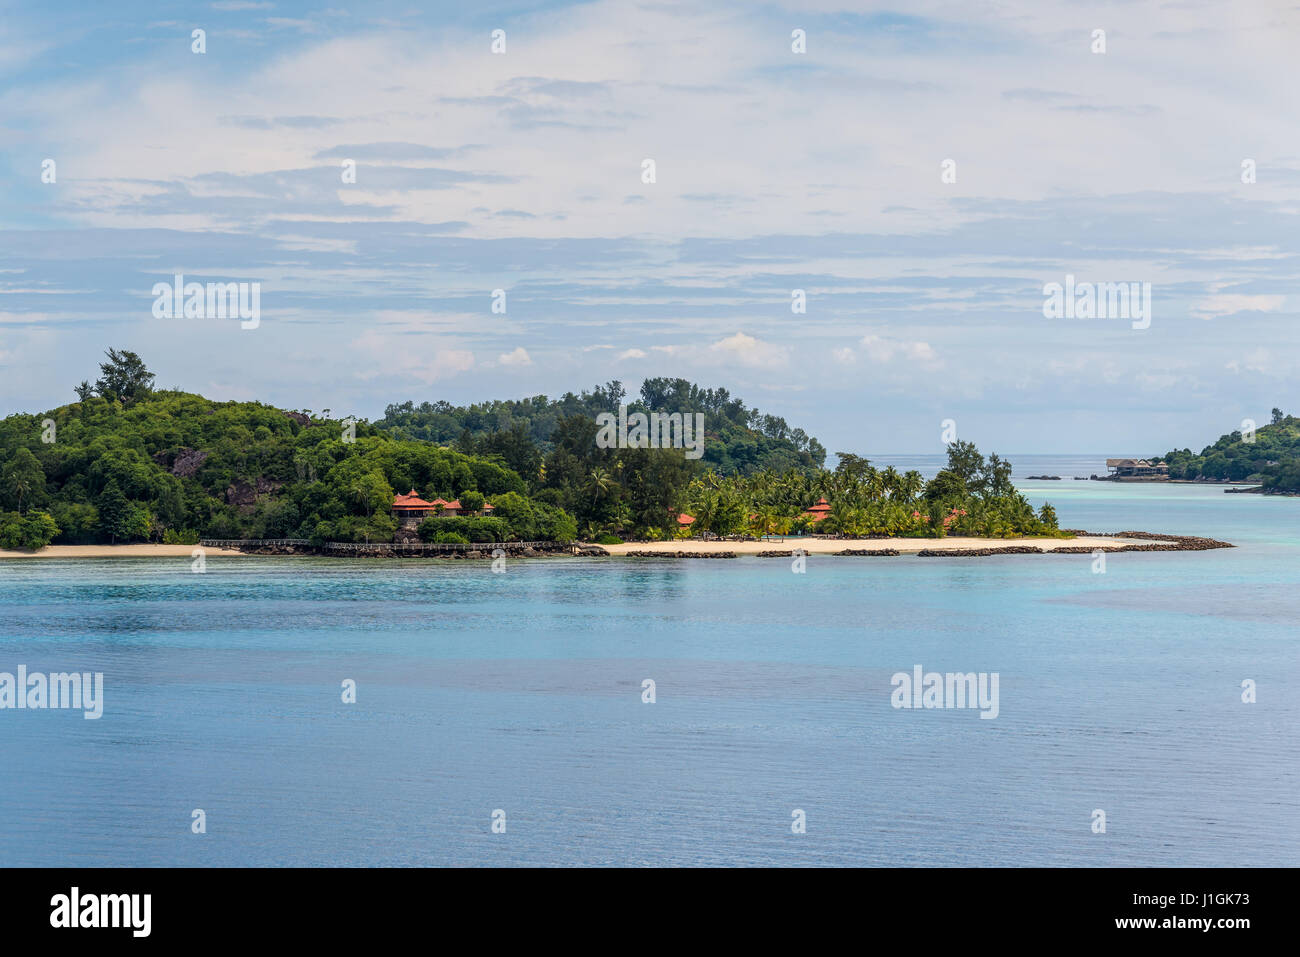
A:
(1226, 304)
(1257, 360)
(383, 355)
(518, 357)
(750, 352)
(632, 354)
(883, 349)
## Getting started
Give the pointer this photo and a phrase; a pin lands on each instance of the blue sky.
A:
(774, 171)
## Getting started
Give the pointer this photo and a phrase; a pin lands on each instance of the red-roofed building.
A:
(685, 520)
(819, 511)
(410, 509)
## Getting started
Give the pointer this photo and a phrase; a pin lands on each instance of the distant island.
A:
(127, 463)
(1269, 457)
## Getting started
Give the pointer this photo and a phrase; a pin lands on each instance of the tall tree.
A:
(23, 476)
(124, 377)
(114, 512)
(966, 462)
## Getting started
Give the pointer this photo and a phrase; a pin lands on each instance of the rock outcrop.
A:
(183, 463)
(246, 494)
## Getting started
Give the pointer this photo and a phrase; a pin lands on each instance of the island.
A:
(1267, 457)
(131, 470)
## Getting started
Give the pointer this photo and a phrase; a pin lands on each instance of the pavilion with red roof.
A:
(410, 509)
(819, 511)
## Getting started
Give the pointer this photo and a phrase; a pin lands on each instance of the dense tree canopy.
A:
(1271, 457)
(739, 440)
(126, 463)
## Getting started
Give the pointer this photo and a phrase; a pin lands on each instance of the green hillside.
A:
(130, 464)
(126, 463)
(1272, 458)
(739, 440)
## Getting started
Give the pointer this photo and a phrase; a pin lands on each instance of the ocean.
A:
(519, 697)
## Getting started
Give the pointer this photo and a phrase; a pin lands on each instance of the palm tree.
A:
(875, 483)
(890, 478)
(910, 485)
(20, 486)
(601, 482)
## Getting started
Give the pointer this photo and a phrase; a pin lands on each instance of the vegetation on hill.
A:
(129, 463)
(1272, 458)
(739, 440)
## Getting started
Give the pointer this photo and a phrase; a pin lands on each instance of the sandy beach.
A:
(813, 546)
(118, 551)
(826, 546)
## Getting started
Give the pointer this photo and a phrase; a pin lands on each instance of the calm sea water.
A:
(522, 692)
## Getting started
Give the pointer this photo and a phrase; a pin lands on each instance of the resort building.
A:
(1136, 468)
(410, 510)
(819, 511)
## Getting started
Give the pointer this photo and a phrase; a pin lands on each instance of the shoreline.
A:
(139, 550)
(956, 546)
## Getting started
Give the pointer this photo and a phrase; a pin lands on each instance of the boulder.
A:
(188, 462)
(246, 494)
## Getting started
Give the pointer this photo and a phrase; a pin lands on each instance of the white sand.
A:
(816, 546)
(828, 545)
(118, 551)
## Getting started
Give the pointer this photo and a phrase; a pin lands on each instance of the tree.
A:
(115, 513)
(966, 462)
(84, 391)
(124, 377)
(23, 476)
(1277, 415)
(910, 485)
(371, 493)
(997, 477)
(946, 486)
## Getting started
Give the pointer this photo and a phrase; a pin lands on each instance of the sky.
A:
(921, 171)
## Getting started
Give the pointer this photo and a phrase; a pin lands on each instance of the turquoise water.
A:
(522, 692)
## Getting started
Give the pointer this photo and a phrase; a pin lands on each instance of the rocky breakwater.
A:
(1151, 542)
(650, 554)
(1169, 543)
(481, 552)
(870, 552)
(979, 552)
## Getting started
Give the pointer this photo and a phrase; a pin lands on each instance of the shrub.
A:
(32, 531)
(450, 538)
(472, 528)
(608, 540)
